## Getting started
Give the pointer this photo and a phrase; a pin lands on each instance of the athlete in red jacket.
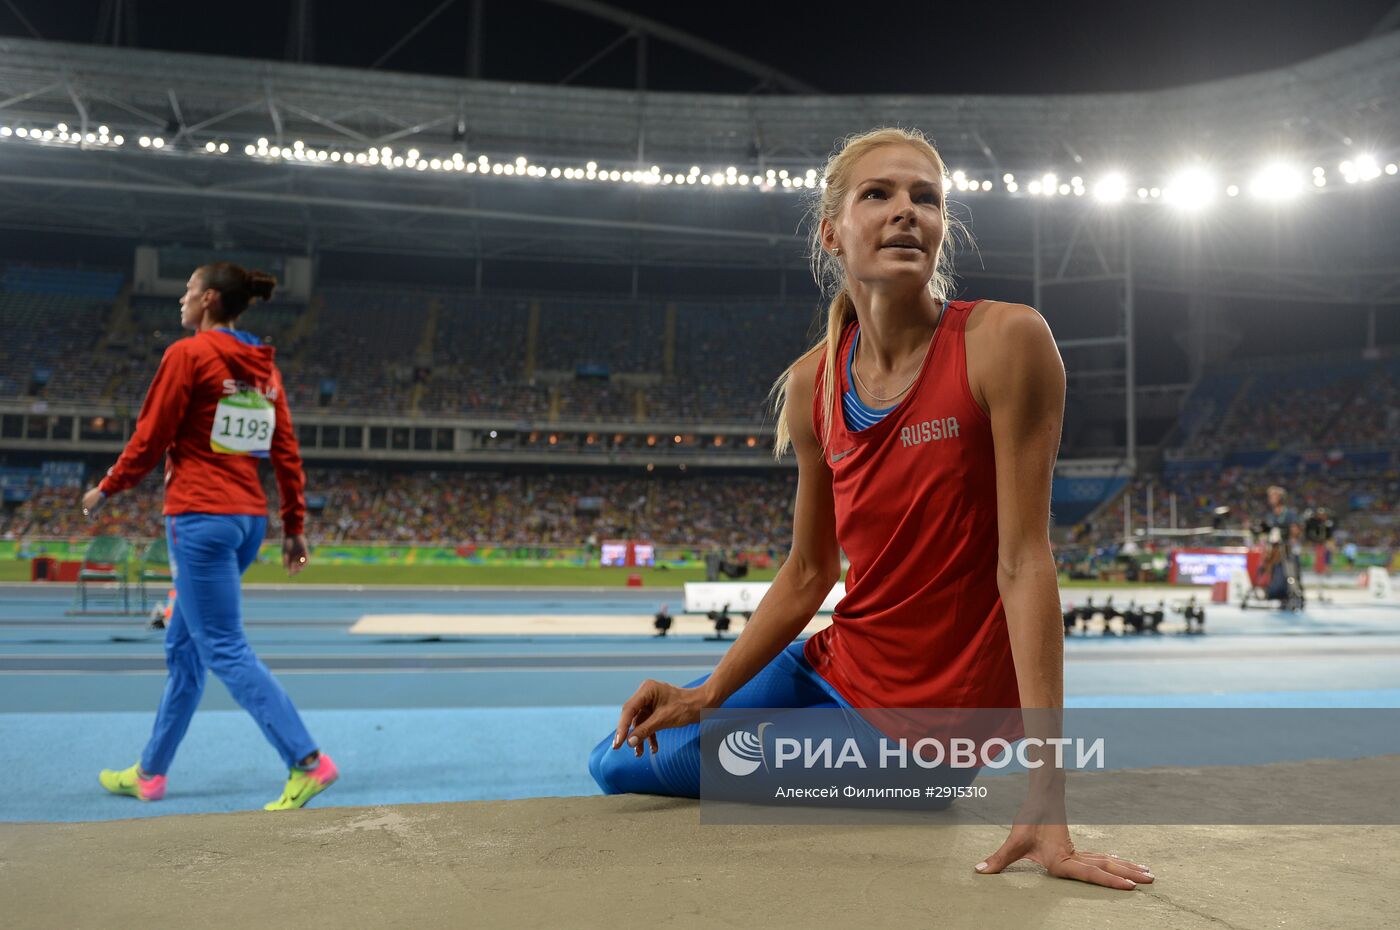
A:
(926, 432)
(217, 406)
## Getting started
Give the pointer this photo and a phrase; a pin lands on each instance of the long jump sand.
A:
(634, 861)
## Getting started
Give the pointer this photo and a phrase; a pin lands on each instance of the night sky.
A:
(849, 47)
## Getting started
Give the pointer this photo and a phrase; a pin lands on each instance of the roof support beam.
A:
(685, 40)
(289, 198)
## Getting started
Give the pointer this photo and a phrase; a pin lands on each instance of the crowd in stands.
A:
(728, 511)
(52, 321)
(382, 349)
(1293, 407)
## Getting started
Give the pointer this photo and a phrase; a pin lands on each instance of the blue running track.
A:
(420, 719)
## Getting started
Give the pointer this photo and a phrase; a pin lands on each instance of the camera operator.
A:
(1281, 532)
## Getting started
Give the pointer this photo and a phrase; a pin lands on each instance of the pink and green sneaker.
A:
(132, 782)
(303, 785)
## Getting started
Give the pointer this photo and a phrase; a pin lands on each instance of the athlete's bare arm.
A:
(1016, 375)
(1023, 392)
(803, 582)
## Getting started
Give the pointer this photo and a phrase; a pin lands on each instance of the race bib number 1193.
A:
(243, 425)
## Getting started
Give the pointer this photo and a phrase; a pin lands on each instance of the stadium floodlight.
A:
(1232, 190)
(1392, 168)
(1111, 188)
(1367, 168)
(1190, 189)
(145, 142)
(1034, 187)
(1277, 181)
(157, 143)
(6, 131)
(1049, 184)
(986, 185)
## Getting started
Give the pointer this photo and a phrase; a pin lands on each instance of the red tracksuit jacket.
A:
(216, 406)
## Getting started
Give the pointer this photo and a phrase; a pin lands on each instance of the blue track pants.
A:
(789, 681)
(208, 555)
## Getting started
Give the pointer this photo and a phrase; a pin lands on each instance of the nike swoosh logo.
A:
(838, 456)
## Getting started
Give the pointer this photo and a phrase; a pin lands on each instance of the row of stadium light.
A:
(1191, 188)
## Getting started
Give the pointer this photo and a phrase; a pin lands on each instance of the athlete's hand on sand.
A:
(294, 553)
(1050, 845)
(656, 706)
(92, 499)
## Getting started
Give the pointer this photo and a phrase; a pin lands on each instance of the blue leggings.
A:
(788, 681)
(208, 555)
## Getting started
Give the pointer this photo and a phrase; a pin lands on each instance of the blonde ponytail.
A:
(840, 312)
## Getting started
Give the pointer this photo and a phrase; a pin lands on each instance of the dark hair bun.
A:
(261, 285)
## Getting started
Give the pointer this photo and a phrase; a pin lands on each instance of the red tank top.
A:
(922, 623)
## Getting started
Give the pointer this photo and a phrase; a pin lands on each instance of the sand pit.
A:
(634, 861)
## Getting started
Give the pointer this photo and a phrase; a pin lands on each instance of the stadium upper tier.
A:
(391, 350)
(555, 373)
(1275, 410)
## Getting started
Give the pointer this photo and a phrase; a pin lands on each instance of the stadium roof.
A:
(1319, 112)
